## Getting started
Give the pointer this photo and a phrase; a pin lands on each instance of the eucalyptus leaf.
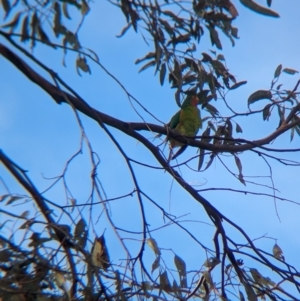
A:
(155, 264)
(258, 95)
(238, 128)
(153, 245)
(277, 71)
(237, 85)
(259, 9)
(162, 74)
(290, 71)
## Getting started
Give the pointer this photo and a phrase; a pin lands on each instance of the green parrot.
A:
(187, 121)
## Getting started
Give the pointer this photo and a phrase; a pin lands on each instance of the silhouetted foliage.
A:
(60, 252)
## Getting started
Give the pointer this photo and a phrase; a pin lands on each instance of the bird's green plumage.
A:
(187, 121)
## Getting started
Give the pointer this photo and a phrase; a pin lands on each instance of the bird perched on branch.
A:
(187, 121)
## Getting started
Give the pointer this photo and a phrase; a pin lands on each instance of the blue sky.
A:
(40, 135)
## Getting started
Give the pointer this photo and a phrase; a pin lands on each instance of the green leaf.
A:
(58, 28)
(155, 264)
(146, 285)
(238, 128)
(206, 133)
(172, 15)
(36, 240)
(119, 287)
(84, 8)
(35, 23)
(124, 30)
(162, 74)
(268, 282)
(201, 158)
(14, 23)
(82, 64)
(12, 199)
(181, 39)
(235, 86)
(208, 278)
(153, 245)
(79, 229)
(99, 252)
(6, 6)
(65, 229)
(259, 9)
(290, 71)
(257, 276)
(73, 2)
(204, 138)
(65, 10)
(292, 134)
(211, 125)
(202, 95)
(220, 57)
(277, 251)
(211, 109)
(4, 197)
(249, 291)
(232, 10)
(180, 265)
(228, 129)
(177, 70)
(213, 84)
(59, 279)
(238, 163)
(27, 224)
(188, 79)
(177, 290)
(211, 159)
(214, 37)
(281, 112)
(25, 34)
(218, 66)
(169, 29)
(191, 49)
(258, 95)
(206, 57)
(150, 64)
(125, 7)
(277, 71)
(239, 166)
(41, 33)
(213, 51)
(234, 32)
(148, 56)
(71, 38)
(164, 283)
(211, 262)
(267, 112)
(297, 130)
(25, 214)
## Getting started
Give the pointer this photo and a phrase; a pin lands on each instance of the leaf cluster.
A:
(55, 260)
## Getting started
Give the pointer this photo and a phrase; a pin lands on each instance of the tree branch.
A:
(79, 104)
